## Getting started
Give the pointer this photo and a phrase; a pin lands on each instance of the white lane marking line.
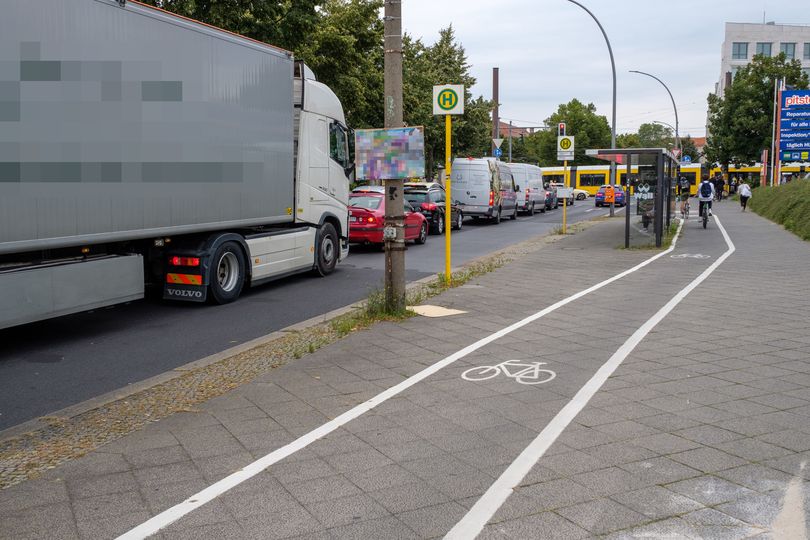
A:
(791, 523)
(169, 516)
(482, 511)
(590, 210)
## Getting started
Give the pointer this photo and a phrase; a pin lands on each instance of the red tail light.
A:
(429, 207)
(184, 261)
(371, 219)
(491, 198)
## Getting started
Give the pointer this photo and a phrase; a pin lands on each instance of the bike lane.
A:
(414, 464)
(425, 456)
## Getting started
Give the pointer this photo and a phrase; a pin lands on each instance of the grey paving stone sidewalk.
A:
(697, 435)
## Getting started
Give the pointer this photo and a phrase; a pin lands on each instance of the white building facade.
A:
(744, 40)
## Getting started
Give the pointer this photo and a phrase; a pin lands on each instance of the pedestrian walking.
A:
(745, 194)
(719, 184)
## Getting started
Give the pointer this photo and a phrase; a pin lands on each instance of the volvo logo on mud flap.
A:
(192, 294)
(185, 293)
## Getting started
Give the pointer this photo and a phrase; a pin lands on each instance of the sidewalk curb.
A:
(134, 388)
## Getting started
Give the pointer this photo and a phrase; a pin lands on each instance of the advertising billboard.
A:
(794, 125)
(390, 154)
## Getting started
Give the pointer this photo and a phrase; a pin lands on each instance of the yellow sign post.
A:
(448, 202)
(565, 199)
(448, 99)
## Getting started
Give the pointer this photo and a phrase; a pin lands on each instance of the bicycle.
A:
(526, 372)
(705, 213)
(684, 207)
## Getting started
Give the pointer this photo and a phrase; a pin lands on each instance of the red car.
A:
(367, 215)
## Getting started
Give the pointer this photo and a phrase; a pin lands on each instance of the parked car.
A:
(429, 198)
(528, 187)
(580, 194)
(558, 185)
(551, 197)
(619, 198)
(367, 216)
(484, 188)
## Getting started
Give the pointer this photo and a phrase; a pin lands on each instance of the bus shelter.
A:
(647, 177)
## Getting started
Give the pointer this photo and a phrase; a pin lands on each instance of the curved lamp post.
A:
(677, 136)
(613, 119)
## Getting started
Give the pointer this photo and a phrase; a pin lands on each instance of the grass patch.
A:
(787, 205)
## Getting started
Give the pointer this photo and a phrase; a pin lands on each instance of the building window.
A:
(807, 51)
(789, 49)
(764, 49)
(739, 51)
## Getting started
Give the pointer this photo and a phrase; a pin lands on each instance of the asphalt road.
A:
(53, 364)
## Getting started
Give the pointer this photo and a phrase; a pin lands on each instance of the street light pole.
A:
(613, 119)
(677, 135)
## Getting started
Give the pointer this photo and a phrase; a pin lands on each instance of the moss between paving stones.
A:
(28, 455)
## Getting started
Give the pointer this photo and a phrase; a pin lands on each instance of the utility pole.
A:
(510, 141)
(496, 120)
(394, 231)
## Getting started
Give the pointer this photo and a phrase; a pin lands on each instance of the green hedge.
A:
(788, 205)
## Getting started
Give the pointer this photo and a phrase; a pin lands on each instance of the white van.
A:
(484, 188)
(531, 195)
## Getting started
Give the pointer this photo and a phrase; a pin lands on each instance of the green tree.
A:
(689, 149)
(740, 122)
(345, 50)
(628, 140)
(283, 23)
(589, 129)
(653, 135)
(444, 62)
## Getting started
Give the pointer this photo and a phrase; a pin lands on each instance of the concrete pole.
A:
(394, 204)
(496, 120)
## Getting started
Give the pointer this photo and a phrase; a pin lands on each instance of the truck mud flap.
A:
(187, 293)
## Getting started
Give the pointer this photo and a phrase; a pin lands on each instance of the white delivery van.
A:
(531, 195)
(484, 188)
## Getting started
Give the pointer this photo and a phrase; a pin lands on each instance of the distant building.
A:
(745, 40)
(517, 132)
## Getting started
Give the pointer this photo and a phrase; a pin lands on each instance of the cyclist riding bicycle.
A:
(683, 193)
(705, 195)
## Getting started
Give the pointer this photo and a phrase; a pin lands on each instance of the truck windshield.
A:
(372, 202)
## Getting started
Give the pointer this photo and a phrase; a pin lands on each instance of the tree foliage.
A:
(688, 148)
(652, 135)
(740, 122)
(444, 62)
(589, 129)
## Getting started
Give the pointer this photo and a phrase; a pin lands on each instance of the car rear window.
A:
(416, 198)
(372, 202)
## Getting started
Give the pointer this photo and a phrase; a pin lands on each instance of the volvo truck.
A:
(138, 147)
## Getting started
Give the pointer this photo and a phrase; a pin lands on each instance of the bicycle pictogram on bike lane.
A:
(524, 372)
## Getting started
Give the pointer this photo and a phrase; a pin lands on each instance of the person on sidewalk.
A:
(745, 194)
(705, 195)
(719, 186)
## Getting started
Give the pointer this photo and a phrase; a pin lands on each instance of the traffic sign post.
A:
(448, 100)
(565, 152)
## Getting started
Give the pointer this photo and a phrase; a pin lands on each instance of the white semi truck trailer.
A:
(140, 147)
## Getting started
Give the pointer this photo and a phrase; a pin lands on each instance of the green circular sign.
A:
(447, 99)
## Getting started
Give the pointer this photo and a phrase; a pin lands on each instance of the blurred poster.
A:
(395, 153)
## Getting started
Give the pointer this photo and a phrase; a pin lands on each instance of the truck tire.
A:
(326, 250)
(227, 273)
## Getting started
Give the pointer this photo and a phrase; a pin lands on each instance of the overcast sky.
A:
(550, 51)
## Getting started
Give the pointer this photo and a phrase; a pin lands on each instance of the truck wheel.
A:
(498, 217)
(227, 273)
(326, 250)
(459, 220)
